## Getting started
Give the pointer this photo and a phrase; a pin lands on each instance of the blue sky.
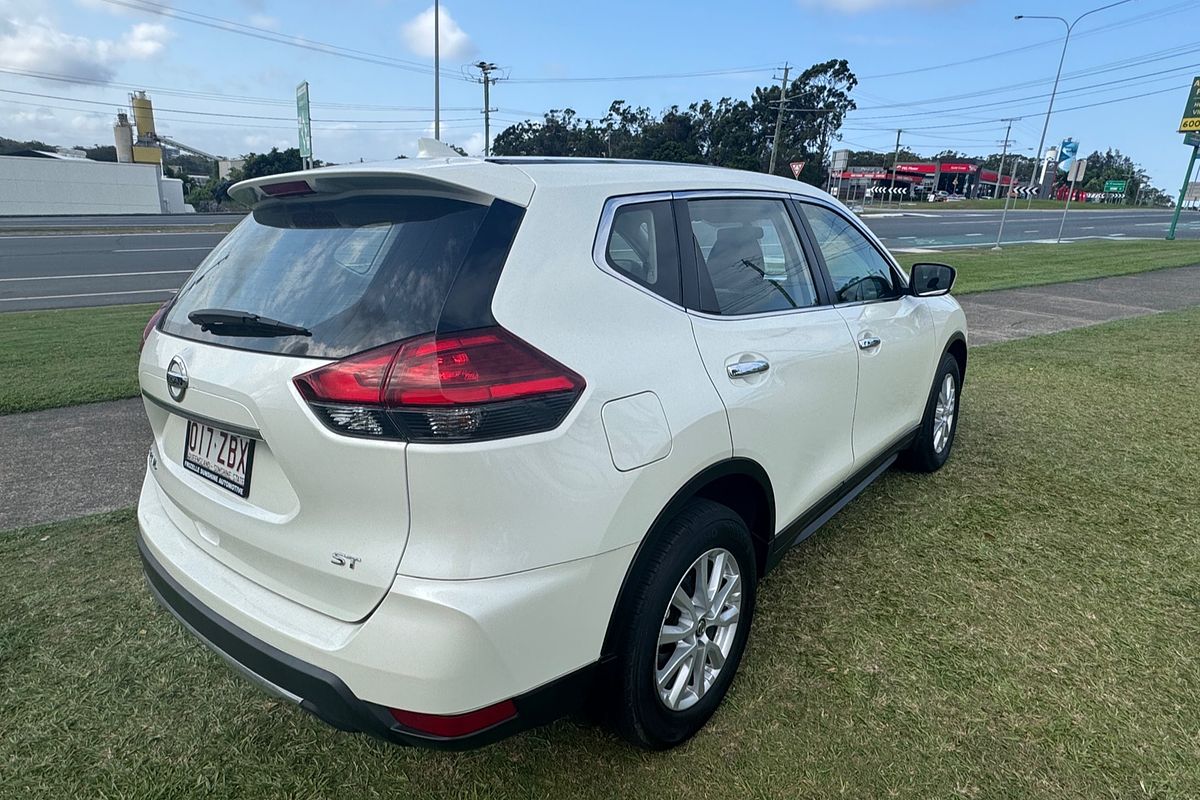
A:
(66, 65)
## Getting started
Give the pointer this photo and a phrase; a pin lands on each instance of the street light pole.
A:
(1050, 108)
(437, 72)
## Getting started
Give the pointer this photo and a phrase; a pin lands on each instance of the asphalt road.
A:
(938, 228)
(73, 268)
(119, 221)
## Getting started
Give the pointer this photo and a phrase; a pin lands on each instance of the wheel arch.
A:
(957, 347)
(739, 483)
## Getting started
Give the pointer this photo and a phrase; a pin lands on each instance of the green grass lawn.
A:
(980, 270)
(1025, 623)
(70, 356)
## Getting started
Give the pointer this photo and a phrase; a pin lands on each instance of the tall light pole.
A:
(437, 72)
(1050, 108)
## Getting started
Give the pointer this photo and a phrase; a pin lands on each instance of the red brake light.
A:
(287, 188)
(456, 724)
(477, 384)
(153, 323)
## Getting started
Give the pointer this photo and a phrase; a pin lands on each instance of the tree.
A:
(101, 152)
(274, 162)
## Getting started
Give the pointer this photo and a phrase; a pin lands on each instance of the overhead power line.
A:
(1105, 102)
(1078, 90)
(214, 96)
(1178, 7)
(231, 26)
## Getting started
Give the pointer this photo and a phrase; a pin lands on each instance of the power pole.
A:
(437, 73)
(779, 118)
(1003, 153)
(486, 68)
(895, 164)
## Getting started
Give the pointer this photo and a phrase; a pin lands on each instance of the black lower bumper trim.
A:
(323, 694)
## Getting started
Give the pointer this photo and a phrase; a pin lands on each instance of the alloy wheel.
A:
(698, 629)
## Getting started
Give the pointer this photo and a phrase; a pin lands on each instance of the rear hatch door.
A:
(244, 467)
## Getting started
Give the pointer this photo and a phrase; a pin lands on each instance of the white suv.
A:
(444, 447)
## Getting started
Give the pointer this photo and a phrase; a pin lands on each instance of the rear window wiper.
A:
(226, 322)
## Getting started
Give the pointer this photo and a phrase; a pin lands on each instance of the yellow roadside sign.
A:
(1191, 112)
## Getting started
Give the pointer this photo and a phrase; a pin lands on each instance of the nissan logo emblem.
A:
(177, 379)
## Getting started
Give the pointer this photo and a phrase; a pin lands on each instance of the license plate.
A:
(219, 456)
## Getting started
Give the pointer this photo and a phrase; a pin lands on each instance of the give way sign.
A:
(797, 168)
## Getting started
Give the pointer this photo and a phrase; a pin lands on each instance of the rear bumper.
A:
(323, 694)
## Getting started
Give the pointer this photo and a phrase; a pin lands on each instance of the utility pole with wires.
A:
(896, 164)
(779, 117)
(486, 68)
(1003, 154)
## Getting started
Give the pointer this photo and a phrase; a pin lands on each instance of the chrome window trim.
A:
(761, 314)
(600, 246)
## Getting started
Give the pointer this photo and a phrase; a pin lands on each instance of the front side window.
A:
(641, 247)
(859, 271)
(749, 258)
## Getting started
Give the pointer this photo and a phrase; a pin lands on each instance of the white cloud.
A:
(265, 21)
(418, 35)
(858, 6)
(473, 144)
(146, 39)
(31, 41)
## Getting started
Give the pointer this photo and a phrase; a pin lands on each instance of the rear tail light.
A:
(155, 318)
(453, 725)
(466, 386)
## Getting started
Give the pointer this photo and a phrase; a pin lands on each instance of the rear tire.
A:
(931, 449)
(679, 646)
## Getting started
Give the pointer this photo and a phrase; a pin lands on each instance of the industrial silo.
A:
(123, 136)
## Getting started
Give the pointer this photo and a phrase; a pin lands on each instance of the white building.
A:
(36, 182)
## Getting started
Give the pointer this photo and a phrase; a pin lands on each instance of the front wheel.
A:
(932, 446)
(684, 626)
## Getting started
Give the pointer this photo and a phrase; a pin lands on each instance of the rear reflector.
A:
(466, 386)
(287, 188)
(454, 725)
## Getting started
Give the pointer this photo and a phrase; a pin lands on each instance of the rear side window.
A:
(748, 257)
(355, 272)
(641, 247)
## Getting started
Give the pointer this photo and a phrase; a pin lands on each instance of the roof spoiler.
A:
(459, 178)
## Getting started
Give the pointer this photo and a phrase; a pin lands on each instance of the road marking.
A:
(157, 249)
(1032, 231)
(974, 234)
(903, 238)
(1088, 228)
(97, 235)
(86, 294)
(101, 275)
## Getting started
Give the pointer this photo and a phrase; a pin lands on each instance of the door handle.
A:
(867, 342)
(744, 368)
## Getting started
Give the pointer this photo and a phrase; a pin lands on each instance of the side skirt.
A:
(812, 520)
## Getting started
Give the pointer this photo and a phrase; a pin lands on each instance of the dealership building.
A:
(917, 180)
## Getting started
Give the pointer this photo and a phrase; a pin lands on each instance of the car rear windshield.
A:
(354, 272)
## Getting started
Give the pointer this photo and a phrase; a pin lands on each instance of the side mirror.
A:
(931, 280)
